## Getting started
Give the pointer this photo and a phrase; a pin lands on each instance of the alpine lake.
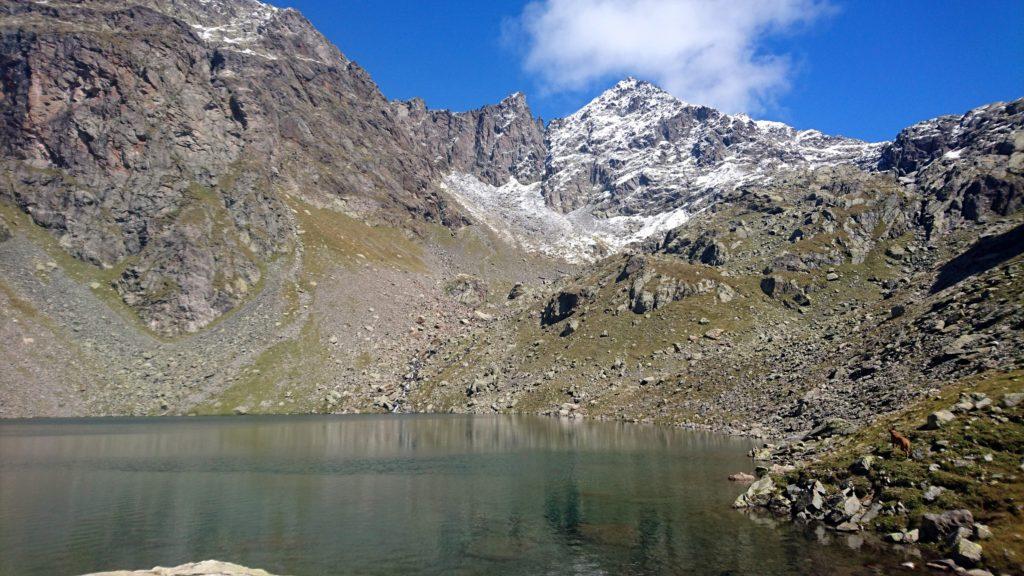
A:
(387, 494)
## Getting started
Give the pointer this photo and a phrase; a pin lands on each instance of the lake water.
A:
(390, 495)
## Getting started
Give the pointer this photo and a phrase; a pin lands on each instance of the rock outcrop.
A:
(205, 568)
(969, 168)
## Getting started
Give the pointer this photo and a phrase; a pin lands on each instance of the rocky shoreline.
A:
(964, 456)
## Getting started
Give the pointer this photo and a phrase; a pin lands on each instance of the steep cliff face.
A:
(117, 118)
(493, 143)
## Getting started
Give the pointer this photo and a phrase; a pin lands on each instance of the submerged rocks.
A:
(742, 477)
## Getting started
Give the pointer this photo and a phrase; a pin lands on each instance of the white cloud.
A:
(702, 51)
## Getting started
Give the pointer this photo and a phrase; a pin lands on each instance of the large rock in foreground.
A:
(205, 568)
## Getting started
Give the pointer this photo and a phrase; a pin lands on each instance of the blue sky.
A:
(858, 68)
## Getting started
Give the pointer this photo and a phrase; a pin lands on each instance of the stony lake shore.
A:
(956, 496)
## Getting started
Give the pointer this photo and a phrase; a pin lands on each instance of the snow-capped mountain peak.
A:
(635, 160)
(636, 149)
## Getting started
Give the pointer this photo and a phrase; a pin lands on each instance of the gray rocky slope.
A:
(206, 207)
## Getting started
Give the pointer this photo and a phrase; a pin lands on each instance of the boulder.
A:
(562, 305)
(467, 290)
(932, 493)
(758, 494)
(863, 465)
(962, 345)
(1012, 399)
(967, 553)
(848, 527)
(714, 334)
(895, 252)
(634, 265)
(571, 326)
(644, 302)
(906, 537)
(517, 291)
(714, 254)
(832, 427)
(779, 287)
(851, 505)
(939, 418)
(941, 527)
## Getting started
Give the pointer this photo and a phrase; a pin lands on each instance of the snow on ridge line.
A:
(518, 214)
(239, 21)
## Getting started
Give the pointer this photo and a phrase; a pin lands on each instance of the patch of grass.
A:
(24, 307)
(332, 237)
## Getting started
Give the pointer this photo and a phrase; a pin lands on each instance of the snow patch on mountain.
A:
(519, 214)
(238, 22)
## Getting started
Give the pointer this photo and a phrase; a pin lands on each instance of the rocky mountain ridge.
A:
(636, 161)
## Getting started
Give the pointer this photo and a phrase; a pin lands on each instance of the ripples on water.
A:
(388, 495)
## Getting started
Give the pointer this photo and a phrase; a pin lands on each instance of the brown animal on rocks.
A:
(899, 441)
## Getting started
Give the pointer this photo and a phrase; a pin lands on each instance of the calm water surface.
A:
(389, 495)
